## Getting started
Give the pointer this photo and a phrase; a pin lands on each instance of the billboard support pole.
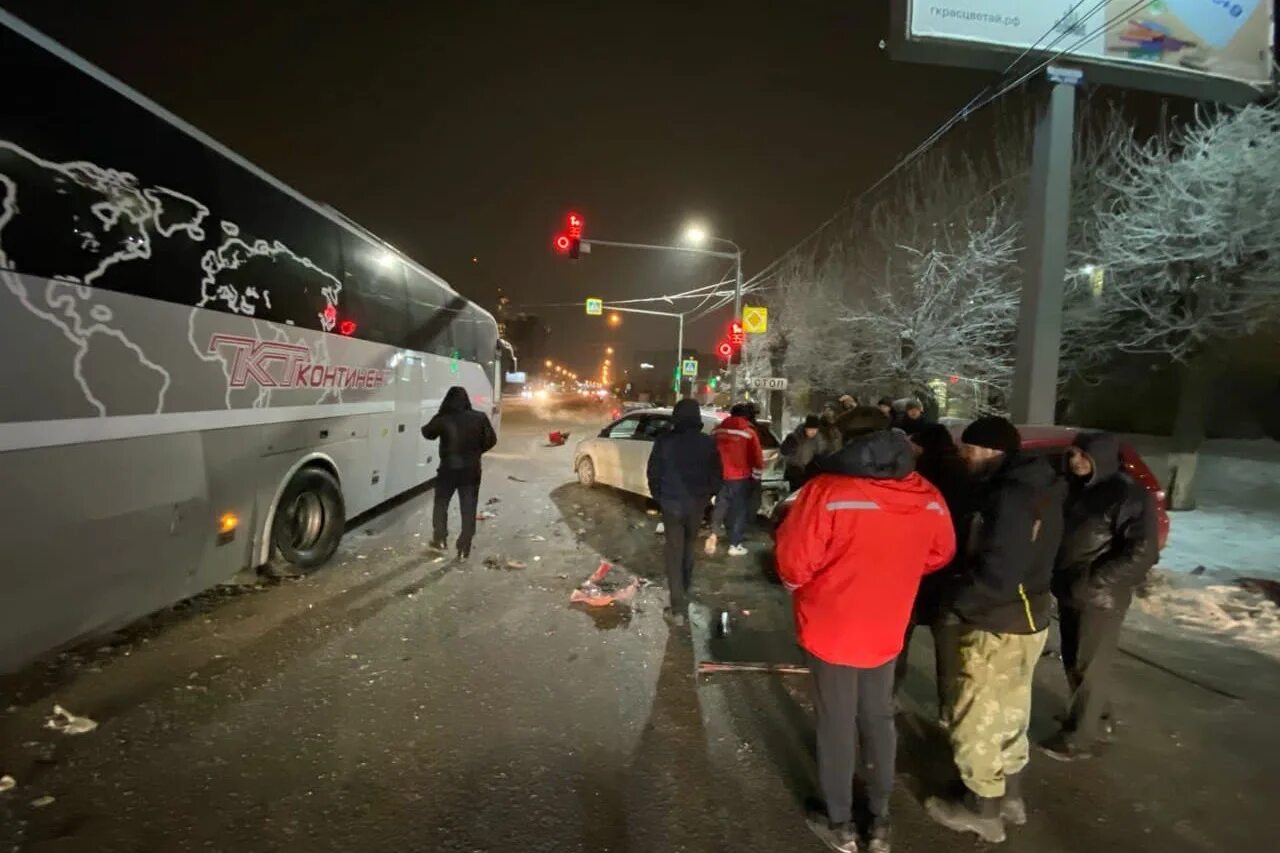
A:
(1044, 262)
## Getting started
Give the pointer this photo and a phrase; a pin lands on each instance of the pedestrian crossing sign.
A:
(755, 319)
(690, 367)
(595, 307)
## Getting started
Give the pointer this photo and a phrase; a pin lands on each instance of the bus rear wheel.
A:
(309, 518)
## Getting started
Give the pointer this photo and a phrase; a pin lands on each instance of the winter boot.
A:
(1062, 747)
(878, 835)
(842, 837)
(440, 544)
(970, 813)
(1012, 807)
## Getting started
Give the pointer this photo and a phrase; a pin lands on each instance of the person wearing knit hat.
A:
(1003, 606)
(992, 433)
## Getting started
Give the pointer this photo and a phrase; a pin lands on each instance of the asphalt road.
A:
(395, 701)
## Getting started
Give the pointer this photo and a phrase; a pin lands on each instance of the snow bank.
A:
(1222, 612)
(1235, 529)
(1233, 533)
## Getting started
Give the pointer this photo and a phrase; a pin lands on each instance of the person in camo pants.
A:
(1003, 606)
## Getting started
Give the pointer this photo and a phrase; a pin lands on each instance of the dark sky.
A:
(460, 130)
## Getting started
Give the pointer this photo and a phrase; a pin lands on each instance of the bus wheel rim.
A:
(306, 518)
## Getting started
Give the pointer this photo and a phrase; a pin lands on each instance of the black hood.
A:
(687, 416)
(1104, 449)
(456, 400)
(1032, 470)
(881, 455)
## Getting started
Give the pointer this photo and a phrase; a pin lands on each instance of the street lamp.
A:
(695, 234)
(608, 350)
(548, 362)
(615, 319)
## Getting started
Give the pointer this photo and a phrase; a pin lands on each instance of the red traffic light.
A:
(562, 243)
(575, 225)
(736, 334)
(725, 350)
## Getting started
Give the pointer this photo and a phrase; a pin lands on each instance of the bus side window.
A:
(372, 304)
(277, 260)
(433, 316)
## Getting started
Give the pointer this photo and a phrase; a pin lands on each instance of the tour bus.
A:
(203, 370)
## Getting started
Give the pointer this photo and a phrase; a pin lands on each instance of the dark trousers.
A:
(733, 509)
(854, 705)
(681, 524)
(1090, 642)
(946, 660)
(467, 484)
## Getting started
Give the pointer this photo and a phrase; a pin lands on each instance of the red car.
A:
(1054, 440)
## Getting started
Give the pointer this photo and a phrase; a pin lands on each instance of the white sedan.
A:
(619, 455)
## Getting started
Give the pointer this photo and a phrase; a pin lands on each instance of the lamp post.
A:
(697, 235)
(693, 234)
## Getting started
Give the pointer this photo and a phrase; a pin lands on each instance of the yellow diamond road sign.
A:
(595, 307)
(755, 320)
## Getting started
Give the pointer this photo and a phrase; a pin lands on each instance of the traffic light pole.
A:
(735, 256)
(679, 334)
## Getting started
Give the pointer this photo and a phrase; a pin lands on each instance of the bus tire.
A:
(309, 519)
(586, 472)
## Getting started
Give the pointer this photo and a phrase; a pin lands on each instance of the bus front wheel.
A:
(309, 518)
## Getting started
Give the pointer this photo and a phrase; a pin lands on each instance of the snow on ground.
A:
(1233, 533)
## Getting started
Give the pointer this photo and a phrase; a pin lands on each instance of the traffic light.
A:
(569, 241)
(725, 350)
(713, 382)
(736, 334)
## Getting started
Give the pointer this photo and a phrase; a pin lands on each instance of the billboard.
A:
(1227, 39)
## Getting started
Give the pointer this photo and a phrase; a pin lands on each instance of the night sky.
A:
(461, 130)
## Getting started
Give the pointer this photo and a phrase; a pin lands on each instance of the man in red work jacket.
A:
(852, 551)
(742, 461)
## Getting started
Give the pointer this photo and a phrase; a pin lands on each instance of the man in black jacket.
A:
(1003, 604)
(1108, 547)
(684, 472)
(464, 436)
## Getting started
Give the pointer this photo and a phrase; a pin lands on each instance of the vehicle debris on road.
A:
(68, 723)
(605, 587)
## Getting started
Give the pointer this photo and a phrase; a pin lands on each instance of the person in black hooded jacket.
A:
(464, 435)
(1108, 547)
(684, 472)
(1003, 602)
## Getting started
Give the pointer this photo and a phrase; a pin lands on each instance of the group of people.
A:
(893, 531)
(898, 527)
(818, 435)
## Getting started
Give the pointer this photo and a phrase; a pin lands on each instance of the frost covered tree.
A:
(1189, 240)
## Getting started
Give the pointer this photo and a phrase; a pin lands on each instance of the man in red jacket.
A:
(742, 461)
(852, 551)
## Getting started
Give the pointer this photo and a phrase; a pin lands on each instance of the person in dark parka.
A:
(1003, 603)
(464, 435)
(938, 461)
(1108, 547)
(684, 472)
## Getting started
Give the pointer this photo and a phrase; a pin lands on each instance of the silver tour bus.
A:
(204, 370)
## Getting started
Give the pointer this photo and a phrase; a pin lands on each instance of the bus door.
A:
(409, 450)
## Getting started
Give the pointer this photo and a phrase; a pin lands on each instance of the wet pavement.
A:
(395, 700)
